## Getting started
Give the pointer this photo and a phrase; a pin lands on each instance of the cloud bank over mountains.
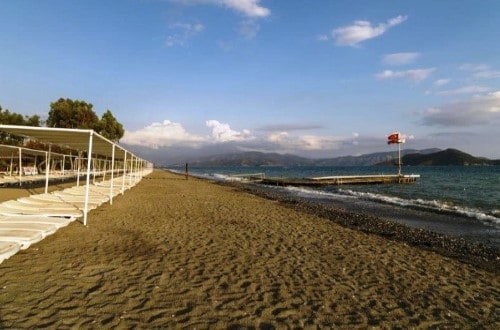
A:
(171, 134)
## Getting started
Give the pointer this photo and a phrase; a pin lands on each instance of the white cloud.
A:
(322, 37)
(223, 132)
(183, 32)
(288, 127)
(168, 134)
(487, 74)
(400, 58)
(191, 28)
(479, 110)
(279, 138)
(315, 142)
(288, 142)
(250, 8)
(482, 71)
(441, 82)
(466, 90)
(474, 67)
(164, 134)
(415, 75)
(359, 31)
(249, 28)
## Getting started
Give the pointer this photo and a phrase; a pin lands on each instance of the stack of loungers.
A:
(28, 220)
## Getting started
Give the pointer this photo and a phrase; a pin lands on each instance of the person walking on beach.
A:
(186, 173)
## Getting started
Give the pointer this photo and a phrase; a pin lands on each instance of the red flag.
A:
(393, 138)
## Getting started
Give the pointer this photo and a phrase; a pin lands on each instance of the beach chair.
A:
(8, 249)
(43, 228)
(20, 236)
(59, 222)
(9, 209)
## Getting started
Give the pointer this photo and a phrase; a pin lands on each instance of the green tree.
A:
(11, 118)
(32, 121)
(66, 113)
(110, 128)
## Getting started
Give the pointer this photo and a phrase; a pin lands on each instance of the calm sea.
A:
(456, 200)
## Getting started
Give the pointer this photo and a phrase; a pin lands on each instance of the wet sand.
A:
(176, 253)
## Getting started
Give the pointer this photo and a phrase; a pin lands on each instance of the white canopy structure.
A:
(9, 152)
(83, 141)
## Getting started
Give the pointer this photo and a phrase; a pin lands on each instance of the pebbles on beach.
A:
(486, 257)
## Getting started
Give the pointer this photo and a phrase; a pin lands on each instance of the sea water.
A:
(455, 200)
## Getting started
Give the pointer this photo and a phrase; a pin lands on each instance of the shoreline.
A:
(177, 253)
(475, 253)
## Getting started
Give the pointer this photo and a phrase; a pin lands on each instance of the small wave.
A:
(433, 205)
(215, 176)
(419, 203)
(306, 192)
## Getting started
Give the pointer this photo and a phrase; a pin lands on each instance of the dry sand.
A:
(176, 253)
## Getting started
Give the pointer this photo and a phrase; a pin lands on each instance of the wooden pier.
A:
(342, 180)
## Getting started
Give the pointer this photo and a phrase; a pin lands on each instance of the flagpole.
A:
(399, 159)
(397, 138)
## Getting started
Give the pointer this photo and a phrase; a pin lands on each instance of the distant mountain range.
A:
(410, 157)
(447, 157)
(252, 158)
(371, 159)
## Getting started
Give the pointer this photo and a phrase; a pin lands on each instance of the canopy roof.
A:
(8, 151)
(75, 139)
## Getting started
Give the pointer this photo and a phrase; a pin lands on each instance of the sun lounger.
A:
(6, 210)
(81, 192)
(8, 249)
(59, 222)
(46, 206)
(55, 203)
(60, 196)
(43, 228)
(72, 196)
(8, 180)
(81, 199)
(22, 237)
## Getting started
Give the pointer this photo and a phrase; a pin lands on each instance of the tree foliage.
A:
(110, 128)
(12, 118)
(66, 113)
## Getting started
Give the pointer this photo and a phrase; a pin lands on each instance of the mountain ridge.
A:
(409, 157)
(432, 156)
(447, 157)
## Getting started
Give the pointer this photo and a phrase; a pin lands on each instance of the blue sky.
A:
(314, 78)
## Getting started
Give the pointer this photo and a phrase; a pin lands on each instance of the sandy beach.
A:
(193, 254)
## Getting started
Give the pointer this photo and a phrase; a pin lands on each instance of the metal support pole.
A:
(20, 167)
(11, 164)
(87, 187)
(131, 170)
(399, 159)
(78, 164)
(47, 168)
(124, 172)
(112, 175)
(93, 171)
